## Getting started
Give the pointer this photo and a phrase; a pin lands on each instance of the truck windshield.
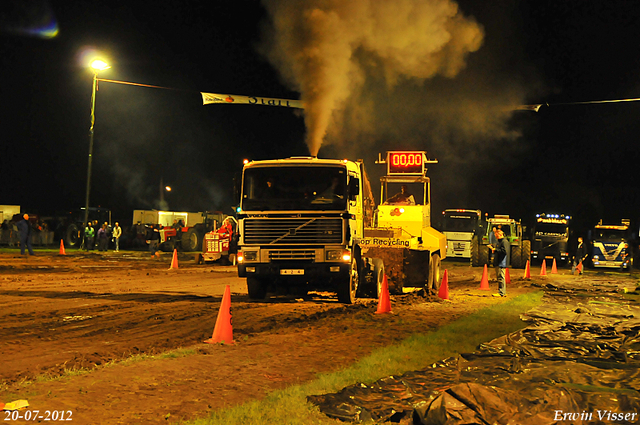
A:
(460, 222)
(612, 235)
(551, 229)
(316, 188)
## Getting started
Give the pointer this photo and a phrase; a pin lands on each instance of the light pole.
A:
(96, 65)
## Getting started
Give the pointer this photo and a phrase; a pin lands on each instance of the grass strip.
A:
(289, 406)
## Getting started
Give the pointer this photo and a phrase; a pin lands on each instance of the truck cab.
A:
(301, 220)
(551, 237)
(610, 245)
(460, 226)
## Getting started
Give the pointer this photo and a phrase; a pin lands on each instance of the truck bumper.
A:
(293, 269)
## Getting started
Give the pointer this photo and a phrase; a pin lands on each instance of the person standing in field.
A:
(501, 252)
(581, 254)
(89, 234)
(117, 232)
(25, 235)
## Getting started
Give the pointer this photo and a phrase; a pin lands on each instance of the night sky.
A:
(578, 159)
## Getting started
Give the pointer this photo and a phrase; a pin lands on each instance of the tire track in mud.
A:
(80, 329)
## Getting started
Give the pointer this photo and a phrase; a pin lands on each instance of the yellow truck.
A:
(306, 223)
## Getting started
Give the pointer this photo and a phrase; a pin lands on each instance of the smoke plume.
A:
(351, 55)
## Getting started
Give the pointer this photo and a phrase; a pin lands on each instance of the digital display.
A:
(407, 162)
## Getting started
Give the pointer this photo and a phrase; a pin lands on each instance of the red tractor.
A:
(219, 244)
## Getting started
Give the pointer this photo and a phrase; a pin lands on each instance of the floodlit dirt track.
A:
(82, 310)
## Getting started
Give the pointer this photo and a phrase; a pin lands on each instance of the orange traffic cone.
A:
(527, 271)
(443, 293)
(223, 332)
(554, 269)
(62, 252)
(384, 302)
(543, 269)
(507, 276)
(484, 282)
(174, 261)
(579, 268)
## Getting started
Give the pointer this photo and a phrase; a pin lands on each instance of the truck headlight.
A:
(337, 255)
(250, 255)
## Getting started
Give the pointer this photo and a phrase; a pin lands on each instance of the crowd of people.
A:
(37, 230)
(101, 236)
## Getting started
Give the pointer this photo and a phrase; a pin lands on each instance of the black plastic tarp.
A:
(576, 363)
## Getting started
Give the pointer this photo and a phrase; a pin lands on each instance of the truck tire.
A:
(378, 276)
(347, 288)
(435, 277)
(256, 288)
(483, 255)
(526, 252)
(475, 255)
(72, 237)
(516, 257)
(191, 240)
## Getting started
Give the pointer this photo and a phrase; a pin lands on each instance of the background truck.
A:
(195, 226)
(513, 231)
(301, 221)
(401, 234)
(610, 246)
(550, 238)
(460, 226)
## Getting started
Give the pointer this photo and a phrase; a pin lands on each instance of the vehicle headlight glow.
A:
(250, 255)
(337, 255)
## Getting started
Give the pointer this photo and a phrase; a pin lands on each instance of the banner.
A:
(209, 98)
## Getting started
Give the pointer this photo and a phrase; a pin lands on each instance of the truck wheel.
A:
(256, 288)
(435, 278)
(483, 255)
(526, 252)
(72, 237)
(378, 276)
(348, 287)
(516, 257)
(475, 259)
(191, 240)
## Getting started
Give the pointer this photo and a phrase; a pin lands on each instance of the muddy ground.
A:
(90, 310)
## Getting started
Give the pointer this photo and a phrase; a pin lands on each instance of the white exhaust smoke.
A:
(327, 49)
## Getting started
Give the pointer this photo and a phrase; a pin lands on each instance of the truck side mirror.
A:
(354, 188)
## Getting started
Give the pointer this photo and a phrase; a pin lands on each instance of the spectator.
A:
(103, 238)
(89, 234)
(25, 235)
(581, 254)
(117, 232)
(153, 239)
(501, 253)
(14, 237)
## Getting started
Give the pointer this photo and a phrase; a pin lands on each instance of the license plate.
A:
(610, 263)
(292, 271)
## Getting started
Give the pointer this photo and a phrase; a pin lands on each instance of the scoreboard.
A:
(402, 163)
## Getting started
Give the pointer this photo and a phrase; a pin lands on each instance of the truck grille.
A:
(292, 231)
(292, 255)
